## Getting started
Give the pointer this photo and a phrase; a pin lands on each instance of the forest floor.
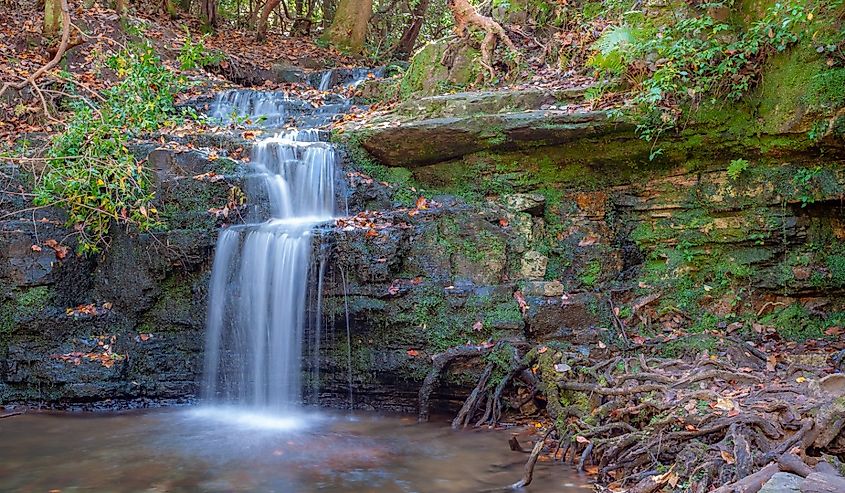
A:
(98, 33)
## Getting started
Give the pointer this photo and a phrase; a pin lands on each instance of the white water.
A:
(258, 305)
(269, 107)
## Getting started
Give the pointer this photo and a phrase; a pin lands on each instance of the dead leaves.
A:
(89, 310)
(520, 299)
(105, 356)
(61, 251)
(211, 177)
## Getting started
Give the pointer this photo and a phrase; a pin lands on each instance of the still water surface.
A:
(202, 450)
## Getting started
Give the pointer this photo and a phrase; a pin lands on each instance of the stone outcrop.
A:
(124, 326)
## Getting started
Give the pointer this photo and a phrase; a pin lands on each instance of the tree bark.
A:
(52, 17)
(169, 9)
(261, 28)
(208, 13)
(405, 47)
(349, 26)
(328, 12)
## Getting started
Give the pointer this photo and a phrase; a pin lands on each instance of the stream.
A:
(200, 450)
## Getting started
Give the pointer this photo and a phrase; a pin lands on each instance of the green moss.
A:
(783, 89)
(590, 276)
(795, 323)
(692, 344)
(20, 306)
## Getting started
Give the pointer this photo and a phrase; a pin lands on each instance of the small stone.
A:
(532, 203)
(534, 265)
(783, 482)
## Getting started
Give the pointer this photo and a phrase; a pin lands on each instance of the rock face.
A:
(434, 140)
(538, 225)
(126, 325)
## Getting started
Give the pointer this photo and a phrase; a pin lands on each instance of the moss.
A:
(23, 304)
(692, 344)
(590, 276)
(783, 90)
(427, 74)
(795, 323)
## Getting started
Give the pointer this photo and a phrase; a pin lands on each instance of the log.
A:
(822, 483)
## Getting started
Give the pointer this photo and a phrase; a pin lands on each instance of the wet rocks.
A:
(533, 265)
(783, 482)
(543, 288)
(532, 203)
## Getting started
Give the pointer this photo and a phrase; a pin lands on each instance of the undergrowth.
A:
(91, 172)
(674, 67)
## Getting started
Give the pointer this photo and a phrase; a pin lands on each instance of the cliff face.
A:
(127, 324)
(541, 220)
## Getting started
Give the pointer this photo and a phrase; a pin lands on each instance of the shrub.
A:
(91, 173)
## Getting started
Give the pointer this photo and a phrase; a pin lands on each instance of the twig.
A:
(528, 470)
(56, 59)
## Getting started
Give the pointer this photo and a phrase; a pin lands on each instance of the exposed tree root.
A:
(467, 16)
(60, 52)
(710, 422)
(440, 362)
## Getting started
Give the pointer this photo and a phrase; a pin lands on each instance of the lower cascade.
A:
(258, 304)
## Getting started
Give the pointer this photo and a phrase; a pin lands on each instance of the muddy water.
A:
(190, 450)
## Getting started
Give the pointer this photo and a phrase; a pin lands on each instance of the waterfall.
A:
(269, 107)
(258, 303)
(325, 81)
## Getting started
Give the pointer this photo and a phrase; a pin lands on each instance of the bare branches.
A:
(60, 52)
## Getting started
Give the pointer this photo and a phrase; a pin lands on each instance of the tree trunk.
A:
(349, 26)
(261, 28)
(409, 38)
(121, 6)
(328, 12)
(52, 17)
(208, 13)
(169, 9)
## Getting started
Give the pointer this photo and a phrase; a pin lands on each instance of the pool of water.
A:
(217, 450)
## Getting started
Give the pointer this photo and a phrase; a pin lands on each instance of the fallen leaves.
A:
(89, 310)
(209, 177)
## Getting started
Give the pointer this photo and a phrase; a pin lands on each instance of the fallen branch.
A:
(528, 470)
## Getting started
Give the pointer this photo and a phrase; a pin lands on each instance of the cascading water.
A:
(258, 303)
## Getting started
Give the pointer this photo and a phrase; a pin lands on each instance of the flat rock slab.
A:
(429, 141)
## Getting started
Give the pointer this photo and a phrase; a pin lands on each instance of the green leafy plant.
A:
(736, 168)
(91, 172)
(194, 54)
(677, 66)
